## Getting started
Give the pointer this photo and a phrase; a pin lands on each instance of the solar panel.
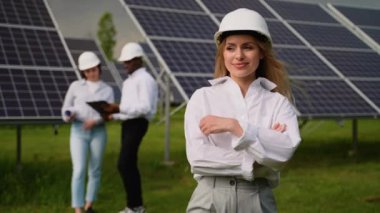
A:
(373, 33)
(109, 76)
(345, 51)
(303, 62)
(301, 11)
(371, 89)
(35, 70)
(281, 34)
(174, 24)
(32, 47)
(361, 16)
(25, 12)
(225, 6)
(191, 83)
(354, 64)
(172, 4)
(329, 36)
(366, 19)
(187, 57)
(184, 41)
(33, 93)
(326, 98)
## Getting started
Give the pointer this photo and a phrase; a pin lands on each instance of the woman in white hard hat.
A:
(88, 135)
(242, 129)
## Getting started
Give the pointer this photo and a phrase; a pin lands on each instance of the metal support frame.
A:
(355, 140)
(167, 121)
(18, 150)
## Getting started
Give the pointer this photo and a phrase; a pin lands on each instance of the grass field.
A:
(321, 177)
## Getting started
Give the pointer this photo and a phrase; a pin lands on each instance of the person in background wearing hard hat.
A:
(138, 105)
(88, 136)
(242, 129)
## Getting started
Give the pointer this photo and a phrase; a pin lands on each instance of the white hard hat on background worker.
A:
(87, 60)
(130, 51)
(242, 20)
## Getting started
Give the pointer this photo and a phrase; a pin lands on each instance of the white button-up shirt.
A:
(139, 96)
(224, 154)
(79, 93)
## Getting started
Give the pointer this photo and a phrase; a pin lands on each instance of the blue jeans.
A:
(84, 144)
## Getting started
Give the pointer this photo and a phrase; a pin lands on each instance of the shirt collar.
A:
(136, 72)
(263, 82)
(218, 80)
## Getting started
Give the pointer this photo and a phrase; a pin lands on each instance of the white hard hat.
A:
(87, 60)
(242, 19)
(130, 51)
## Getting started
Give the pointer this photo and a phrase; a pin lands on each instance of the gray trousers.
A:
(232, 195)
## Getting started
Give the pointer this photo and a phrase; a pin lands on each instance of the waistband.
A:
(80, 124)
(132, 120)
(227, 182)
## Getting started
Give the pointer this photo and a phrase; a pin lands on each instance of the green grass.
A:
(321, 177)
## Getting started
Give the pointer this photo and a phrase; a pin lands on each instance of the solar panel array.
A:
(108, 75)
(348, 57)
(35, 70)
(365, 19)
(324, 59)
(369, 22)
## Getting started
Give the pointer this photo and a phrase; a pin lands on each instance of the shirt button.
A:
(232, 182)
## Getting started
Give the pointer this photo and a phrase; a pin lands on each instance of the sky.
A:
(79, 18)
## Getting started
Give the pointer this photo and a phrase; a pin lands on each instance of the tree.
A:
(106, 34)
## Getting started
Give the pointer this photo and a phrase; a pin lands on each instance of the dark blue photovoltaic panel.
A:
(25, 12)
(371, 89)
(301, 11)
(150, 55)
(373, 33)
(328, 97)
(354, 64)
(190, 83)
(361, 16)
(81, 44)
(33, 93)
(176, 96)
(189, 57)
(32, 47)
(281, 35)
(225, 6)
(158, 23)
(172, 4)
(329, 36)
(303, 62)
(28, 38)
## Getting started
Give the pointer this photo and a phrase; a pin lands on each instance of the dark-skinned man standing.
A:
(137, 107)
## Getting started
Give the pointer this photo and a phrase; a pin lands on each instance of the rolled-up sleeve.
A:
(269, 147)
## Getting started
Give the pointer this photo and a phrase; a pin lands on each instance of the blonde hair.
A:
(270, 67)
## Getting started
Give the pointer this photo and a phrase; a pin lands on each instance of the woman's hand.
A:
(88, 124)
(279, 127)
(211, 124)
(71, 118)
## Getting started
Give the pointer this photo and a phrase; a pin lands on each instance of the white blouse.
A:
(224, 154)
(79, 93)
